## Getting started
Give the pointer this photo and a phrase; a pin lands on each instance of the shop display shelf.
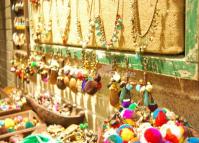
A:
(26, 114)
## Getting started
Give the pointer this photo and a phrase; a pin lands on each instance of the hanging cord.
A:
(151, 23)
(99, 7)
(90, 9)
(118, 6)
(77, 9)
(50, 11)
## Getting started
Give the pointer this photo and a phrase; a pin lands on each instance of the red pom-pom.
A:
(99, 85)
(161, 119)
(153, 135)
(170, 137)
(80, 76)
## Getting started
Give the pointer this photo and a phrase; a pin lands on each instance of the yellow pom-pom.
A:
(9, 123)
(25, 120)
(130, 122)
(127, 134)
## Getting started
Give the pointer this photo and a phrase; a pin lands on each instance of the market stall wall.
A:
(6, 45)
(180, 96)
(177, 94)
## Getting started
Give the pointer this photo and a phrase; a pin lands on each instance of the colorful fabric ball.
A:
(127, 134)
(153, 135)
(132, 106)
(129, 87)
(9, 123)
(2, 123)
(130, 122)
(126, 103)
(80, 75)
(122, 127)
(161, 119)
(192, 140)
(114, 139)
(10, 130)
(142, 128)
(29, 124)
(138, 87)
(172, 132)
(127, 114)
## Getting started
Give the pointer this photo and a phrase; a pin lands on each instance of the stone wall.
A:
(6, 45)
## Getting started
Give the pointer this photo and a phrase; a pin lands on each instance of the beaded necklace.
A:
(141, 41)
(63, 28)
(100, 33)
(77, 23)
(47, 26)
(91, 28)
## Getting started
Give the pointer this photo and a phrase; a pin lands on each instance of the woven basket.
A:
(51, 117)
(11, 111)
(30, 115)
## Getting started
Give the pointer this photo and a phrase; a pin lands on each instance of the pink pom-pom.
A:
(128, 114)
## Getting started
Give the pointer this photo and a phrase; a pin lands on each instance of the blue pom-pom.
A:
(115, 139)
(129, 87)
(193, 140)
(155, 113)
(138, 87)
(2, 122)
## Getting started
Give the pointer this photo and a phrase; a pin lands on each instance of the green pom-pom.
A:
(133, 106)
(10, 130)
(86, 126)
(29, 125)
(33, 64)
(81, 126)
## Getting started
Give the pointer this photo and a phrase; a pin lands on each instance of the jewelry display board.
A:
(20, 29)
(151, 26)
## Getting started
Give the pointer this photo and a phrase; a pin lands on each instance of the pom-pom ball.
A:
(127, 114)
(29, 124)
(126, 103)
(127, 134)
(113, 139)
(161, 119)
(9, 123)
(133, 106)
(153, 135)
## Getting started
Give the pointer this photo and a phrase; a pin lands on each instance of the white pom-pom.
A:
(149, 87)
(142, 89)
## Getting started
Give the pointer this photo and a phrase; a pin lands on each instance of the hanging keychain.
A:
(60, 79)
(114, 86)
(93, 83)
(67, 68)
(127, 87)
